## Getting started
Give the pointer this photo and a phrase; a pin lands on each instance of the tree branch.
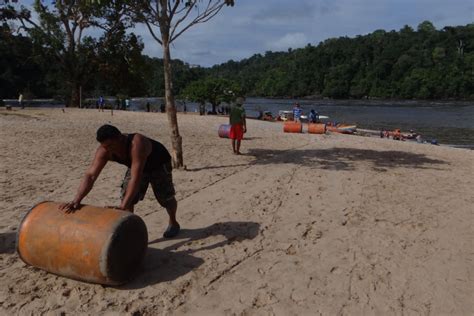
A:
(153, 33)
(207, 14)
(173, 10)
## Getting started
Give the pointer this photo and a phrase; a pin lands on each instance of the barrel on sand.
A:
(293, 127)
(92, 244)
(224, 130)
(316, 128)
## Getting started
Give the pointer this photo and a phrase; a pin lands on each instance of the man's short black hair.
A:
(107, 132)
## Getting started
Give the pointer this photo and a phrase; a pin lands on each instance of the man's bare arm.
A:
(141, 149)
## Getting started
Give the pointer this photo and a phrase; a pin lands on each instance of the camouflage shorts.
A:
(161, 181)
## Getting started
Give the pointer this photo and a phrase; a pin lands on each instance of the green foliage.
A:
(69, 59)
(212, 90)
(154, 80)
(18, 69)
(426, 63)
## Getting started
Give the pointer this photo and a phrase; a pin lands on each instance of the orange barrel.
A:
(93, 244)
(293, 127)
(315, 128)
(224, 131)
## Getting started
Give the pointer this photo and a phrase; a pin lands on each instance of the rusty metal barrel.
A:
(316, 128)
(92, 244)
(224, 131)
(293, 127)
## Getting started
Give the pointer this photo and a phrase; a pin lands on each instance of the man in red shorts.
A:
(237, 126)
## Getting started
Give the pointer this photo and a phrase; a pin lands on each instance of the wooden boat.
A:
(341, 128)
(285, 116)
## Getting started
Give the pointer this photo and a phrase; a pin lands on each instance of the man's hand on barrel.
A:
(69, 207)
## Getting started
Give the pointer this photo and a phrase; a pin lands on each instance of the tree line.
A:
(407, 64)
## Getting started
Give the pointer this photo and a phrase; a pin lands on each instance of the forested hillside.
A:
(425, 63)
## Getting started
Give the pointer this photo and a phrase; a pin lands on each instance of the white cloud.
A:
(290, 40)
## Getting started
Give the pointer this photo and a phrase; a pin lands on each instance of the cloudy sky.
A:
(256, 26)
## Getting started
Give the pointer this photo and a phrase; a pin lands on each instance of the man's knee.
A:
(168, 203)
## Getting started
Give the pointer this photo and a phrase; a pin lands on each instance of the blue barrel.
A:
(224, 131)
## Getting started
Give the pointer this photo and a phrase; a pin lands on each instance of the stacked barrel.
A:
(297, 127)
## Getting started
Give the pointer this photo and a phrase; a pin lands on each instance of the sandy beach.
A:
(298, 225)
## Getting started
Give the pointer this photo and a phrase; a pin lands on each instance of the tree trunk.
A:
(75, 96)
(176, 140)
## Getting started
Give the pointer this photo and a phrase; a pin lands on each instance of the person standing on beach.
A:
(148, 162)
(297, 112)
(238, 126)
(313, 116)
(20, 101)
(127, 104)
(101, 103)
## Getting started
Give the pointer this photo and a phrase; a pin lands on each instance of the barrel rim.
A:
(17, 237)
(104, 265)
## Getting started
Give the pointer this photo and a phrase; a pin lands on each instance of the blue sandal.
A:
(171, 231)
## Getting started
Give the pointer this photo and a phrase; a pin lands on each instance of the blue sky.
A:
(256, 26)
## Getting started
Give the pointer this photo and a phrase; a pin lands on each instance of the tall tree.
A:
(60, 27)
(167, 20)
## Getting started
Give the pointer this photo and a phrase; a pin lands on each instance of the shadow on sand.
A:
(344, 158)
(7, 242)
(337, 158)
(161, 265)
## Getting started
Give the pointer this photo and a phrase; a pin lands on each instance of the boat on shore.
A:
(285, 116)
(341, 128)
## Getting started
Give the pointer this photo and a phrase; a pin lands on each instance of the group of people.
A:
(398, 135)
(120, 104)
(313, 116)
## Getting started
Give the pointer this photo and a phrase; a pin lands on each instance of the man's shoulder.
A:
(102, 153)
(139, 138)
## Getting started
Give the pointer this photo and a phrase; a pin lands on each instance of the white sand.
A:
(300, 224)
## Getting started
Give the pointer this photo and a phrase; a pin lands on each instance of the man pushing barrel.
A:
(148, 162)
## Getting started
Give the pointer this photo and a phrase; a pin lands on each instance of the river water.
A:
(449, 122)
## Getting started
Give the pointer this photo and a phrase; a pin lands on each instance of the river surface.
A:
(449, 122)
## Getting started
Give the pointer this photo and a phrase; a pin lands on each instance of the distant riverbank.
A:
(449, 122)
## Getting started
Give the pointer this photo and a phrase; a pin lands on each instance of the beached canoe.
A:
(342, 128)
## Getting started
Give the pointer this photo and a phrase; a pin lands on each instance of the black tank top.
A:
(159, 155)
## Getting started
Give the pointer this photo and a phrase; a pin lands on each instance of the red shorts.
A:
(236, 132)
